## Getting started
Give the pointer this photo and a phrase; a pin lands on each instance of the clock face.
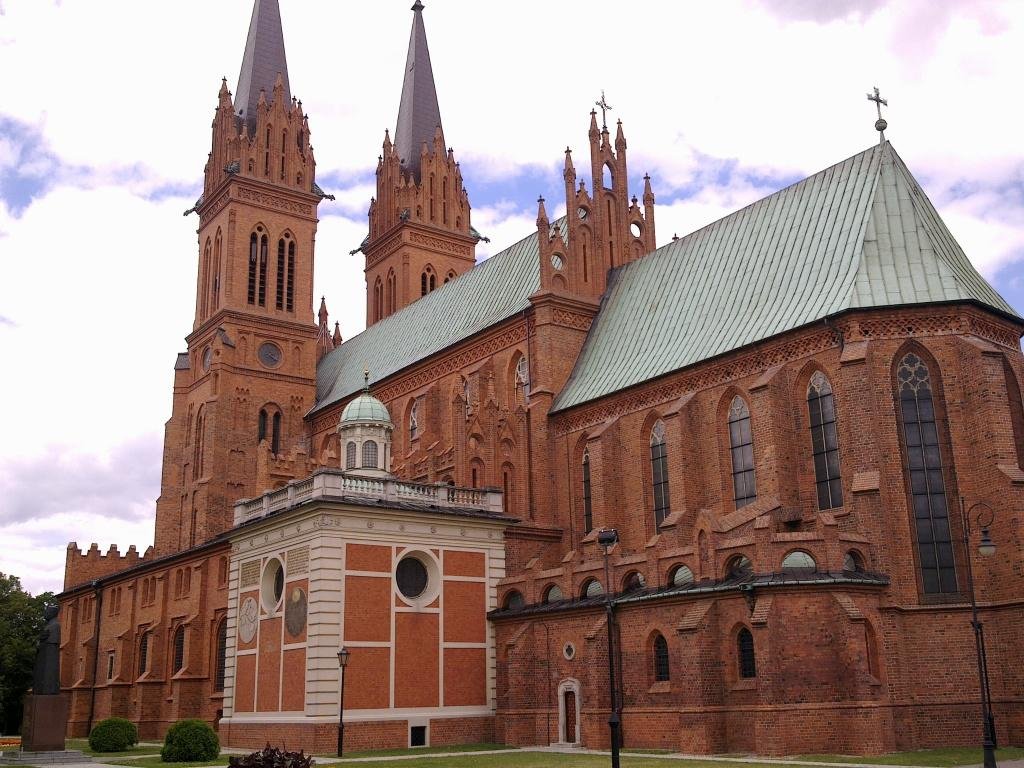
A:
(270, 354)
(207, 358)
(247, 618)
(582, 213)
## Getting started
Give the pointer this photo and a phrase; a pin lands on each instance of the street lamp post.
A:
(983, 520)
(607, 538)
(343, 654)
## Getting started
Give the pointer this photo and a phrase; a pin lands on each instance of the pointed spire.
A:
(542, 214)
(594, 133)
(620, 138)
(337, 334)
(570, 171)
(648, 192)
(263, 61)
(323, 310)
(419, 116)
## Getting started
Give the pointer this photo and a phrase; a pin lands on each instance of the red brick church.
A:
(779, 414)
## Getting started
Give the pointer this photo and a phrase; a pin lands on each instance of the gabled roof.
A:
(492, 291)
(418, 113)
(859, 234)
(264, 58)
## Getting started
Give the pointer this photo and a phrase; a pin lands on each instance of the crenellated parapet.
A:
(82, 566)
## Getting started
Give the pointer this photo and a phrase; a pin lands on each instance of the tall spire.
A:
(263, 60)
(418, 114)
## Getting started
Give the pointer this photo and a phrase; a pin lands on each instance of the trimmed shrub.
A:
(189, 741)
(271, 757)
(115, 734)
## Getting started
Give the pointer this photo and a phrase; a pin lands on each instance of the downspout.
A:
(96, 652)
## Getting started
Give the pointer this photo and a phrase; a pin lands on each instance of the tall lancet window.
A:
(659, 473)
(824, 442)
(588, 512)
(289, 293)
(925, 474)
(280, 274)
(263, 271)
(741, 446)
(253, 260)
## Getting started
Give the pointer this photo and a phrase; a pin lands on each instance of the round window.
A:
(569, 651)
(272, 584)
(411, 576)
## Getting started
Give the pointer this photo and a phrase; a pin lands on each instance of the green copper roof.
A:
(366, 407)
(492, 291)
(859, 234)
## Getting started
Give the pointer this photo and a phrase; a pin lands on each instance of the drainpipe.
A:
(96, 652)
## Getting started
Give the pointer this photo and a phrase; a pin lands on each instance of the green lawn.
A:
(525, 759)
(83, 746)
(154, 761)
(947, 756)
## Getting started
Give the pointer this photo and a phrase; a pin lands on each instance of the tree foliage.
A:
(21, 622)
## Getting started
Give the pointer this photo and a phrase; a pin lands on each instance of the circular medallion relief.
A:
(270, 354)
(295, 612)
(247, 619)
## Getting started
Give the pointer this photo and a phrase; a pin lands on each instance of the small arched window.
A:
(853, 562)
(522, 382)
(680, 576)
(739, 566)
(179, 650)
(659, 473)
(745, 654)
(799, 561)
(350, 455)
(275, 440)
(661, 664)
(370, 454)
(143, 653)
(591, 588)
(741, 448)
(513, 601)
(824, 442)
(633, 582)
(553, 594)
(588, 512)
(925, 472)
(222, 655)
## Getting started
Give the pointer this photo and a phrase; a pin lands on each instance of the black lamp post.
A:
(982, 520)
(607, 538)
(343, 654)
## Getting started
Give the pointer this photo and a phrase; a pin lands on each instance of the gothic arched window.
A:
(588, 512)
(514, 601)
(217, 269)
(824, 442)
(925, 473)
(279, 298)
(253, 260)
(661, 665)
(261, 426)
(143, 653)
(262, 287)
(222, 654)
(179, 650)
(350, 455)
(523, 380)
(275, 439)
(592, 588)
(745, 654)
(741, 447)
(370, 454)
(659, 474)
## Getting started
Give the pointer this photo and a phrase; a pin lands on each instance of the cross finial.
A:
(605, 107)
(880, 123)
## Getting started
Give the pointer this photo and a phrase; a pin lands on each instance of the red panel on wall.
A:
(465, 677)
(366, 557)
(463, 563)
(367, 611)
(245, 682)
(267, 693)
(416, 662)
(293, 696)
(367, 681)
(465, 612)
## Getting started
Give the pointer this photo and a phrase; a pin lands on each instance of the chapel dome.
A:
(365, 408)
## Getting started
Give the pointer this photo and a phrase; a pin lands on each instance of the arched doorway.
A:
(569, 712)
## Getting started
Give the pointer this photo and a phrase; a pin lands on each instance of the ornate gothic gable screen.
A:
(824, 442)
(741, 447)
(925, 475)
(659, 473)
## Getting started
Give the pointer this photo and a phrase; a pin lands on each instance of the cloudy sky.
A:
(105, 110)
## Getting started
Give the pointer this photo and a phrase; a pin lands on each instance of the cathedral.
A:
(789, 418)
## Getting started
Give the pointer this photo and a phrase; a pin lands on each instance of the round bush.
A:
(115, 734)
(189, 741)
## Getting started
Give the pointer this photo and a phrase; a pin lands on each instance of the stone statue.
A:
(46, 674)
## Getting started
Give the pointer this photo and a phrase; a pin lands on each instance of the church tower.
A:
(420, 235)
(241, 389)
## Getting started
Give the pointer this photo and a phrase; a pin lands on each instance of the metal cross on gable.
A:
(880, 123)
(605, 108)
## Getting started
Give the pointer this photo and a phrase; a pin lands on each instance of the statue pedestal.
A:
(45, 723)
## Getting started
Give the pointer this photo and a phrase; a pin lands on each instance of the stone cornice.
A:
(260, 194)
